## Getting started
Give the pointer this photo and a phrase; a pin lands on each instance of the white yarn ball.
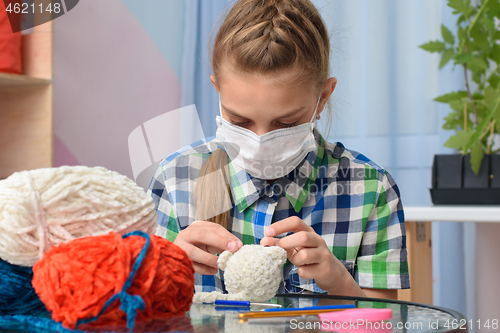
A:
(44, 207)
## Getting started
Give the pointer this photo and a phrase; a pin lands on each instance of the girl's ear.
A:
(212, 78)
(327, 91)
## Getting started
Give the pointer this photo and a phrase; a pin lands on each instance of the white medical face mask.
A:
(268, 156)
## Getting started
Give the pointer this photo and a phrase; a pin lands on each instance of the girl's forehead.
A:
(288, 82)
(252, 88)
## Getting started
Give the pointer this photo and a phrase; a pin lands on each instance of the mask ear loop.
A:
(312, 121)
(220, 107)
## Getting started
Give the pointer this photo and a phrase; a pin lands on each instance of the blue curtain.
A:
(201, 18)
(382, 106)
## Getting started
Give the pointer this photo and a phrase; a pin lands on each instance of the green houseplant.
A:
(475, 115)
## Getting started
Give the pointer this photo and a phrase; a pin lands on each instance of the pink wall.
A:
(109, 78)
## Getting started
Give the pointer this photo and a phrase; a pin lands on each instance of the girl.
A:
(270, 178)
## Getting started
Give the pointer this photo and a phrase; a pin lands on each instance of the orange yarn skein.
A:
(75, 280)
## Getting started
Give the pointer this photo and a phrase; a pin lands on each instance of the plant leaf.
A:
(494, 79)
(453, 96)
(447, 35)
(477, 64)
(451, 121)
(487, 22)
(434, 46)
(477, 96)
(496, 116)
(480, 38)
(489, 97)
(476, 76)
(476, 156)
(459, 140)
(494, 5)
(480, 127)
(461, 34)
(457, 105)
(495, 53)
(458, 5)
(447, 55)
(463, 57)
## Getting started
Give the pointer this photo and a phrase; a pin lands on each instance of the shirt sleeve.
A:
(382, 259)
(167, 226)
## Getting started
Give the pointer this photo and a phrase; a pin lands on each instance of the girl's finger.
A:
(213, 250)
(269, 241)
(308, 271)
(204, 269)
(306, 256)
(301, 239)
(219, 230)
(199, 256)
(208, 238)
(290, 224)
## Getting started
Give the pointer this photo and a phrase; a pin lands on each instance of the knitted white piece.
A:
(44, 207)
(253, 273)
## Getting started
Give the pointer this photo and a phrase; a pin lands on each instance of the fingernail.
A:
(232, 246)
(240, 243)
(213, 270)
(269, 232)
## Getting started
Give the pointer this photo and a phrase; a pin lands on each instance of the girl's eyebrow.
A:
(231, 112)
(290, 114)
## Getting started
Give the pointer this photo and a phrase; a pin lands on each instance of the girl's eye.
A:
(287, 125)
(239, 123)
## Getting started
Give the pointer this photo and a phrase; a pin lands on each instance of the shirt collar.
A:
(295, 186)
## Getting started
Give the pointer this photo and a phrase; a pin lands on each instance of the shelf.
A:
(26, 106)
(18, 81)
(453, 213)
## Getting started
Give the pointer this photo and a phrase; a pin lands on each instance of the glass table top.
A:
(406, 317)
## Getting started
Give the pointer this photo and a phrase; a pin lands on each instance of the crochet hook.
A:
(292, 313)
(244, 303)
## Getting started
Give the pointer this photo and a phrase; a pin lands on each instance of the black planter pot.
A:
(481, 180)
(454, 182)
(495, 171)
(447, 171)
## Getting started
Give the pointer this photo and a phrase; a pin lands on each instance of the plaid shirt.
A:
(349, 200)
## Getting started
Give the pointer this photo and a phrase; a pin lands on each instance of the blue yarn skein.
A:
(17, 295)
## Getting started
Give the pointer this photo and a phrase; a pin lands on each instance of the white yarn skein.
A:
(44, 207)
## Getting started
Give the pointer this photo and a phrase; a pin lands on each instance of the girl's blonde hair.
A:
(261, 37)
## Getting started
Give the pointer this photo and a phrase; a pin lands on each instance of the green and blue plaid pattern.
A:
(349, 200)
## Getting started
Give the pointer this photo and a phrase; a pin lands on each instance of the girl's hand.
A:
(308, 251)
(202, 240)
